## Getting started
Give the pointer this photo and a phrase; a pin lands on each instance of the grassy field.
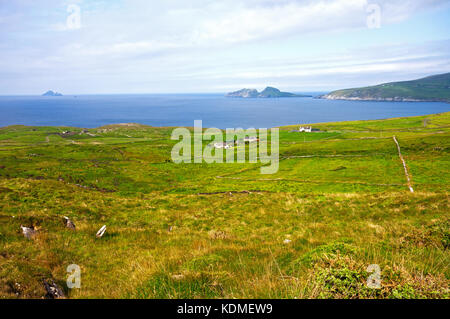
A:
(338, 204)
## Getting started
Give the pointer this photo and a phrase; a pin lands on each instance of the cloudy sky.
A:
(184, 46)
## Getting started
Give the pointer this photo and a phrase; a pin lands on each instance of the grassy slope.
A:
(434, 88)
(341, 213)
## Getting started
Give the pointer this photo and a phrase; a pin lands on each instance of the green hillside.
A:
(433, 88)
(338, 204)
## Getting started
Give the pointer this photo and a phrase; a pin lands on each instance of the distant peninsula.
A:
(268, 92)
(51, 93)
(434, 88)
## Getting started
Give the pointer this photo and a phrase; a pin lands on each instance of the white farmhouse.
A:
(250, 139)
(305, 129)
(225, 145)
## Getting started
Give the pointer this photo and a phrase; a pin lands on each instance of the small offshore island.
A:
(268, 92)
(52, 93)
(434, 88)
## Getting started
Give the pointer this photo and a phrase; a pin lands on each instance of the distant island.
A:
(268, 92)
(434, 88)
(51, 93)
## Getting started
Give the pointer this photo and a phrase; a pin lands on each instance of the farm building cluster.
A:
(307, 129)
(230, 144)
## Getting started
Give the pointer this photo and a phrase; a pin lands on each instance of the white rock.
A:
(101, 231)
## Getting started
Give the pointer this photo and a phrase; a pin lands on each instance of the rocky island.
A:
(434, 88)
(51, 93)
(268, 92)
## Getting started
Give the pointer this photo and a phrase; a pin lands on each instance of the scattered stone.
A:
(53, 290)
(67, 133)
(28, 232)
(16, 288)
(101, 231)
(69, 223)
(82, 186)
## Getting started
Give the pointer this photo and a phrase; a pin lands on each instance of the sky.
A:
(204, 46)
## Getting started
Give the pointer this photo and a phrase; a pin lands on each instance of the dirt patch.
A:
(218, 234)
(339, 168)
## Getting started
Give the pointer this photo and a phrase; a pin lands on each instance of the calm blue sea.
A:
(182, 109)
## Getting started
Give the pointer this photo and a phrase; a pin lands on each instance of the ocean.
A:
(214, 110)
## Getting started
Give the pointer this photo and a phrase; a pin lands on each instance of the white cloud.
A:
(201, 45)
(151, 26)
(249, 23)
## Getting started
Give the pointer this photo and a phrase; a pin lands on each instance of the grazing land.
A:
(339, 203)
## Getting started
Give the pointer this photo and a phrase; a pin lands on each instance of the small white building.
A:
(305, 129)
(250, 139)
(225, 145)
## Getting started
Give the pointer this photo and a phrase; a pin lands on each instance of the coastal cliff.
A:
(430, 89)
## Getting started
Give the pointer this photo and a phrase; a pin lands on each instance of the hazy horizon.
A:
(153, 93)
